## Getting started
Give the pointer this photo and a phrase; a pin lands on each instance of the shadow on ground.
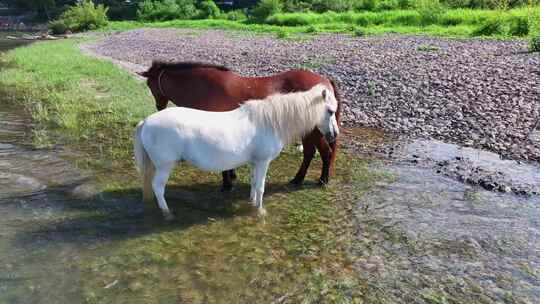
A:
(120, 214)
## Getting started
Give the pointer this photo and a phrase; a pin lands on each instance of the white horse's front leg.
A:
(261, 169)
(158, 184)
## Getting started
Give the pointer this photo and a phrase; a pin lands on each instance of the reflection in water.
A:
(7, 44)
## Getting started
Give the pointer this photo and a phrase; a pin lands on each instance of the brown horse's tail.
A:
(334, 145)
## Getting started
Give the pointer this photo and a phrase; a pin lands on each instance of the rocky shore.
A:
(478, 93)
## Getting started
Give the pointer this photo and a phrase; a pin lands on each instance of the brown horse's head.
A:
(152, 75)
(155, 77)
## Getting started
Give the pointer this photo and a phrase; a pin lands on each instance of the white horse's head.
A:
(328, 125)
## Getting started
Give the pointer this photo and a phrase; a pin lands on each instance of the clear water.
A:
(448, 240)
(422, 238)
(72, 235)
(6, 44)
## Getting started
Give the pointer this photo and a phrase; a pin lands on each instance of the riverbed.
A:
(395, 227)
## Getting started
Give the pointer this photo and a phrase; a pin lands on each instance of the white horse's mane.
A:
(291, 114)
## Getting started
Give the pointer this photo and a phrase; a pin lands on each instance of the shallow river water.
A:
(444, 239)
(50, 214)
(421, 236)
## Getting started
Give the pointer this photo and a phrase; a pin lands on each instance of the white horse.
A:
(254, 133)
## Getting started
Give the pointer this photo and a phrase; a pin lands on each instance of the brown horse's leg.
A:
(227, 181)
(326, 155)
(308, 143)
(333, 153)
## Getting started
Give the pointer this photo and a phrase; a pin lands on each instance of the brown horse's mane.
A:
(176, 66)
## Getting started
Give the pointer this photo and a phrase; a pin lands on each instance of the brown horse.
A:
(216, 88)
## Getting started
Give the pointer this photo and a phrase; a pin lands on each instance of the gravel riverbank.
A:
(479, 93)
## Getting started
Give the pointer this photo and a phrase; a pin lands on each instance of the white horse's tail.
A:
(144, 164)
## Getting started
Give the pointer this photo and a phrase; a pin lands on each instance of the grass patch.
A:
(445, 23)
(86, 100)
(428, 48)
(208, 255)
(316, 63)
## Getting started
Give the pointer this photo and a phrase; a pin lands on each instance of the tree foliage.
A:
(208, 9)
(266, 8)
(82, 16)
(186, 9)
(159, 10)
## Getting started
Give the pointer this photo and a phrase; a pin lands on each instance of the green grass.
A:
(449, 23)
(209, 254)
(427, 48)
(84, 99)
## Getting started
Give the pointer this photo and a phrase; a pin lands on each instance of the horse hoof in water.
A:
(296, 181)
(226, 188)
(323, 181)
(261, 212)
(168, 216)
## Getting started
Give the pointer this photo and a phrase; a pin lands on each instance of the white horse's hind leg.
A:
(158, 183)
(253, 193)
(260, 179)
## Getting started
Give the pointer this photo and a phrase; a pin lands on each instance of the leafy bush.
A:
(159, 10)
(405, 4)
(359, 32)
(282, 34)
(208, 10)
(81, 17)
(311, 29)
(489, 4)
(519, 26)
(534, 43)
(188, 10)
(267, 8)
(362, 21)
(491, 27)
(297, 6)
(534, 34)
(333, 5)
(122, 12)
(235, 15)
(58, 27)
(386, 5)
(430, 11)
(368, 5)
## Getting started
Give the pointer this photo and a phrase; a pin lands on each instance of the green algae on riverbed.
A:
(227, 255)
(98, 246)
